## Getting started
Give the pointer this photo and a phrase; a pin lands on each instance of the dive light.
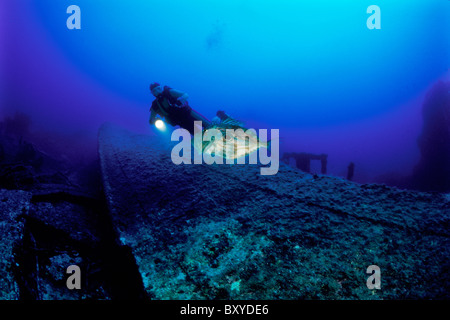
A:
(159, 124)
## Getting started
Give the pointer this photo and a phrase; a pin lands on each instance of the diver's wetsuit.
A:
(174, 113)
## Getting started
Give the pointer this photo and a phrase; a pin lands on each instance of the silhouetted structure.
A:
(432, 173)
(350, 171)
(303, 160)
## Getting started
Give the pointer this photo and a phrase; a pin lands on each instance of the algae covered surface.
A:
(227, 232)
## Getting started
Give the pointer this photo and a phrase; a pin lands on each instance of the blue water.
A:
(309, 68)
(316, 60)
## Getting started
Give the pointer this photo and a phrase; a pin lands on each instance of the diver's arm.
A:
(152, 117)
(181, 96)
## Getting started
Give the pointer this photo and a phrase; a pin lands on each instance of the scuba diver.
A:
(172, 105)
